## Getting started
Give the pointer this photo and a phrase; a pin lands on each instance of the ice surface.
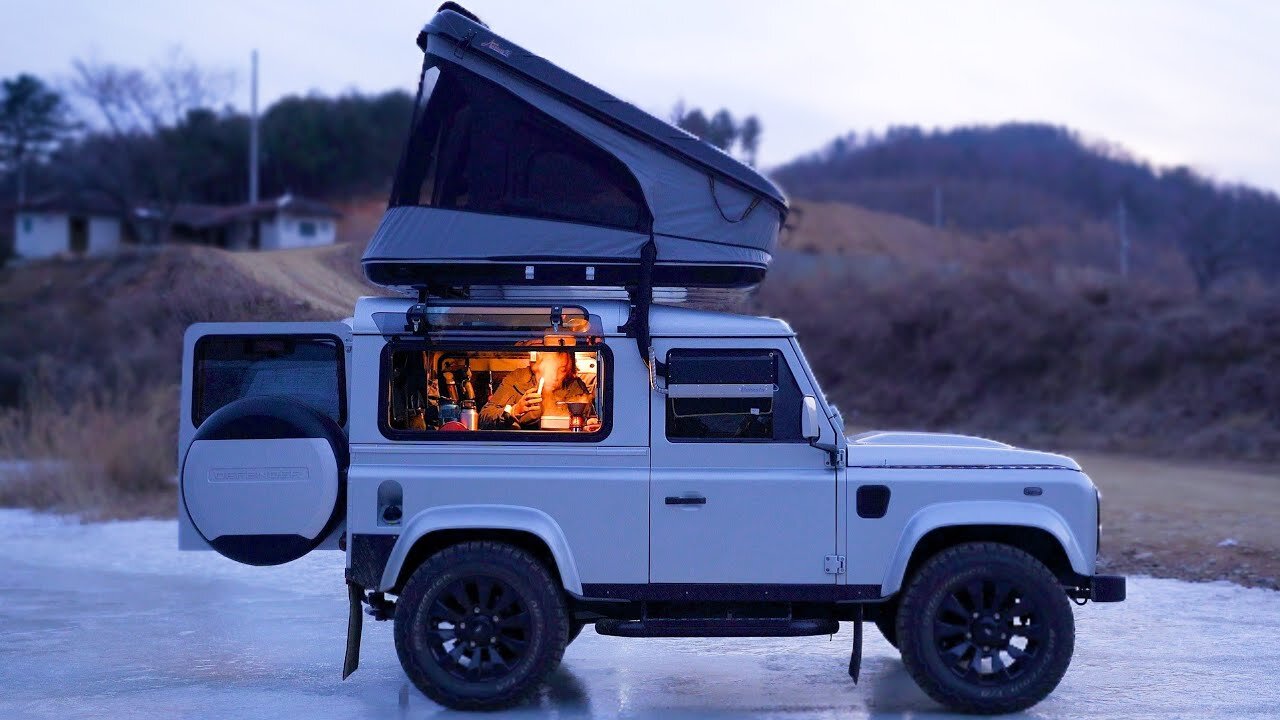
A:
(110, 620)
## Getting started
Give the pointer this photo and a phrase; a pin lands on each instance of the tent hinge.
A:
(461, 48)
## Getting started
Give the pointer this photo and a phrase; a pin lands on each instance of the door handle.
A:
(694, 500)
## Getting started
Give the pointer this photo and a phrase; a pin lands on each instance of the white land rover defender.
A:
(544, 439)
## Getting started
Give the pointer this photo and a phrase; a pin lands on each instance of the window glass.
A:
(26, 225)
(476, 146)
(307, 229)
(228, 368)
(767, 416)
(538, 390)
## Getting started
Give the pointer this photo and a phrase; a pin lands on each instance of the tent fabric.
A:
(511, 159)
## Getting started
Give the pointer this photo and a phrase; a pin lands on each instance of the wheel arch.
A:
(1036, 529)
(436, 528)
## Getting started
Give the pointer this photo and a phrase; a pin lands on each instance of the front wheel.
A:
(986, 628)
(480, 625)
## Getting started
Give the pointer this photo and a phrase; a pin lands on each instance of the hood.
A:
(879, 448)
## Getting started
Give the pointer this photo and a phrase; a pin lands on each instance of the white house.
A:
(286, 222)
(66, 224)
(81, 224)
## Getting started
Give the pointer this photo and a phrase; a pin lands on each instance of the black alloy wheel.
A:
(480, 625)
(986, 628)
(478, 628)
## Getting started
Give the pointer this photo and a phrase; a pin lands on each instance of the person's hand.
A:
(592, 424)
(531, 400)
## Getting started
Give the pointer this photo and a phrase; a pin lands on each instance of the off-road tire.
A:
(886, 620)
(953, 571)
(546, 633)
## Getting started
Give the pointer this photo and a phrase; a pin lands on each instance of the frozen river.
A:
(109, 620)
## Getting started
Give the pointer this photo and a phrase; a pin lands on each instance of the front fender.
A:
(484, 517)
(981, 512)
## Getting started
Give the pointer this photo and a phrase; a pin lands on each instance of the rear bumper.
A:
(1107, 588)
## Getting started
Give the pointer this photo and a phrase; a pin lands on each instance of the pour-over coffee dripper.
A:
(577, 411)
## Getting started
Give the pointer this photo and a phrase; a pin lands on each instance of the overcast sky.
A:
(1175, 82)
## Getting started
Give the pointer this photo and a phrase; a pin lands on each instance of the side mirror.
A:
(809, 419)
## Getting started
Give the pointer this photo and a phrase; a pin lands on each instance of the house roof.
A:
(194, 215)
(85, 202)
(199, 217)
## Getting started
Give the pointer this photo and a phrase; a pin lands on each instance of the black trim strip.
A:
(704, 592)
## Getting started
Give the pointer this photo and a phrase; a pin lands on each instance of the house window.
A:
(731, 395)
(307, 229)
(26, 224)
(528, 392)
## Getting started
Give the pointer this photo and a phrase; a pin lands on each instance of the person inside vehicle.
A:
(525, 395)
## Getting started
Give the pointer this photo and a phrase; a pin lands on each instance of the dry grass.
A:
(1100, 367)
(90, 357)
(105, 456)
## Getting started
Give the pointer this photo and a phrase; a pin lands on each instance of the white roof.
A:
(664, 320)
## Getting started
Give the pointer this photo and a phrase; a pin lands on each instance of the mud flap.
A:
(355, 626)
(855, 657)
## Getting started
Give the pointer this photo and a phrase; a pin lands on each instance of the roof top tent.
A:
(517, 173)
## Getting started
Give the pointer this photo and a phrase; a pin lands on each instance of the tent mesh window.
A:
(475, 146)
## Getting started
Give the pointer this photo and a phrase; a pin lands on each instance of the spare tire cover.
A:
(264, 480)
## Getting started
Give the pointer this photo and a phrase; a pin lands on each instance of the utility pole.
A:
(1122, 230)
(937, 205)
(253, 129)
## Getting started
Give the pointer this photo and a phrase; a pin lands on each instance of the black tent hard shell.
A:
(517, 172)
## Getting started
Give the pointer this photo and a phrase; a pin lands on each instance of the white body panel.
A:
(594, 494)
(773, 510)
(486, 517)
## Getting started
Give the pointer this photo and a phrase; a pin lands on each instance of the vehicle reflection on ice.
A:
(108, 620)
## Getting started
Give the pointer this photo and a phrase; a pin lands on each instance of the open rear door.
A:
(262, 447)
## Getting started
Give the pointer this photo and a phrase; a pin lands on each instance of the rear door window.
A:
(308, 369)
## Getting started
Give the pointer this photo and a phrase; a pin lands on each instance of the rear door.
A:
(262, 449)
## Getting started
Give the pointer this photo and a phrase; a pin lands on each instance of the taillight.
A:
(1098, 541)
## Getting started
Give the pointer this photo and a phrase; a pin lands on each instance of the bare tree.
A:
(135, 156)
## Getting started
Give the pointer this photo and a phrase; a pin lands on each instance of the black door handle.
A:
(695, 500)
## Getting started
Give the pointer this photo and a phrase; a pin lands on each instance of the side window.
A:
(731, 395)
(232, 367)
(530, 392)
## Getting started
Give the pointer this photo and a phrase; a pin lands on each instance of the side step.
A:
(717, 627)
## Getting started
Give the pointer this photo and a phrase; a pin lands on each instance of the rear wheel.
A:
(480, 625)
(986, 628)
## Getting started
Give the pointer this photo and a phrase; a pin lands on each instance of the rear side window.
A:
(307, 369)
(731, 395)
